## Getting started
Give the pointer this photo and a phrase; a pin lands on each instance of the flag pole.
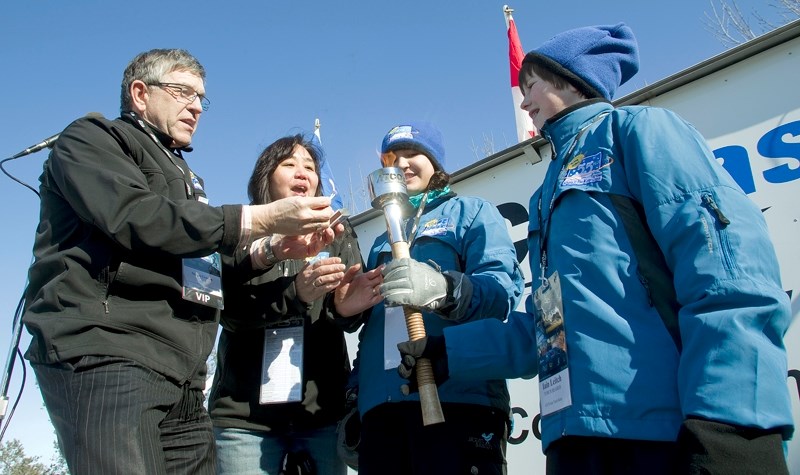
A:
(507, 11)
(524, 125)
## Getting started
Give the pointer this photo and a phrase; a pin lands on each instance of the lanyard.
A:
(544, 227)
(169, 154)
(413, 233)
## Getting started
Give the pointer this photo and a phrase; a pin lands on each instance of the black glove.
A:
(431, 347)
(412, 283)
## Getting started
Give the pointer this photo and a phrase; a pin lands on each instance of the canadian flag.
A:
(525, 128)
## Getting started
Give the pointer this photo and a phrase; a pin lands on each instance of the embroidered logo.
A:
(436, 227)
(584, 170)
(400, 132)
(482, 442)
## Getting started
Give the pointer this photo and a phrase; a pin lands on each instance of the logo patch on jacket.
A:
(436, 227)
(196, 181)
(585, 169)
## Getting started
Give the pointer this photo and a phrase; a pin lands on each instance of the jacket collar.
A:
(163, 138)
(561, 129)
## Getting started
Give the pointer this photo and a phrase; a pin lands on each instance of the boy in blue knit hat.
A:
(473, 274)
(657, 314)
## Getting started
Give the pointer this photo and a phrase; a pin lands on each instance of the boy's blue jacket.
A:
(463, 234)
(628, 380)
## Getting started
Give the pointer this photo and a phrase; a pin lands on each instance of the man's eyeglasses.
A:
(183, 93)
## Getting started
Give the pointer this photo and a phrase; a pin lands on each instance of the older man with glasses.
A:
(183, 93)
(121, 331)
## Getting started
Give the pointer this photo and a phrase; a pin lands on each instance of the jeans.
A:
(250, 452)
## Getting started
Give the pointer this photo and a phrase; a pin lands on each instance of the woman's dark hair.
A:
(270, 158)
(439, 180)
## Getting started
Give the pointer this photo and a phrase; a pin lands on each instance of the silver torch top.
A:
(387, 189)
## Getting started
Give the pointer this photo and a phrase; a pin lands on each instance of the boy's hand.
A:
(431, 347)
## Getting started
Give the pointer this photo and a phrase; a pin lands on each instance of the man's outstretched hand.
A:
(431, 347)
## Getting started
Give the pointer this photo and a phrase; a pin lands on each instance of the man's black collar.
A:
(163, 137)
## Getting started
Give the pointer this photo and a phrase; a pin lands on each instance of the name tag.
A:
(394, 332)
(282, 364)
(554, 387)
(202, 280)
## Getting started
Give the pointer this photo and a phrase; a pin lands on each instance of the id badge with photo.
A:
(394, 332)
(551, 343)
(202, 280)
(282, 364)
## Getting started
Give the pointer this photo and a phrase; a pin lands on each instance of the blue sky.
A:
(273, 67)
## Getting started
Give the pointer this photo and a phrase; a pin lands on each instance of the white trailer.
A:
(746, 102)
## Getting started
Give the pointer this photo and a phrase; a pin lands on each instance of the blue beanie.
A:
(594, 59)
(421, 136)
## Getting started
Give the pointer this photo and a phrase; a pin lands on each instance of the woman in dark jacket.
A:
(282, 360)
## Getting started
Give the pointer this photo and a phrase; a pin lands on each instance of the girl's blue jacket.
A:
(462, 234)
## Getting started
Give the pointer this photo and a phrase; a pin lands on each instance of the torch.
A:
(387, 188)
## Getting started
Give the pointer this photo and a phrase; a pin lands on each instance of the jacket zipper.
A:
(106, 277)
(711, 204)
(646, 285)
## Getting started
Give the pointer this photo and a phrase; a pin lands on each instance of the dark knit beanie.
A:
(421, 136)
(594, 59)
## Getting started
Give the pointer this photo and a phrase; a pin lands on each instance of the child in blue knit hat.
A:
(463, 267)
(657, 314)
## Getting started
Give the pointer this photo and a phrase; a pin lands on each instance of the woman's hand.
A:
(318, 278)
(358, 291)
(303, 246)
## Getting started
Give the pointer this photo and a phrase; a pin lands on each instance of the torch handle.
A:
(428, 395)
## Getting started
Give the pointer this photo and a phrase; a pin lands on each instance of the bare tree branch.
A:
(484, 149)
(728, 24)
(731, 27)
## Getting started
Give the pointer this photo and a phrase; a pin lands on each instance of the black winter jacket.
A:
(255, 300)
(118, 214)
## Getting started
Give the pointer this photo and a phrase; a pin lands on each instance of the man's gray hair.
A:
(150, 66)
